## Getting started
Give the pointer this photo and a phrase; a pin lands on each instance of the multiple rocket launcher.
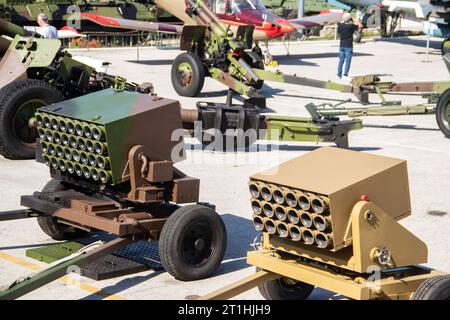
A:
(308, 201)
(291, 213)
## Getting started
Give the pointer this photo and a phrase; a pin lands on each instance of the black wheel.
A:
(255, 61)
(50, 226)
(258, 51)
(445, 45)
(285, 289)
(18, 102)
(188, 75)
(435, 288)
(192, 243)
(443, 113)
(357, 36)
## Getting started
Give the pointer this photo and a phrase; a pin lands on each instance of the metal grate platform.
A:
(143, 252)
(136, 257)
(111, 266)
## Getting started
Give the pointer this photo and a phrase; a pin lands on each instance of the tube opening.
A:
(280, 213)
(254, 191)
(266, 193)
(293, 216)
(308, 237)
(304, 202)
(306, 220)
(278, 196)
(258, 223)
(282, 230)
(295, 233)
(270, 226)
(268, 210)
(291, 200)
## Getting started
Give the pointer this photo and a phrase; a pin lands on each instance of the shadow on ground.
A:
(153, 62)
(434, 44)
(299, 59)
(400, 127)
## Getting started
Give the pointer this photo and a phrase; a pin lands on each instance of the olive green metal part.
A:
(23, 286)
(303, 129)
(54, 252)
(289, 8)
(372, 111)
(283, 78)
(34, 52)
(25, 12)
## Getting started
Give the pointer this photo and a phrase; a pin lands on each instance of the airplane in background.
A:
(63, 33)
(233, 13)
(436, 13)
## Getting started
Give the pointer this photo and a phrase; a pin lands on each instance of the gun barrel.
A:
(207, 17)
(11, 30)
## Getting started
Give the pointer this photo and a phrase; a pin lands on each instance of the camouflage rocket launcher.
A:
(113, 170)
(338, 230)
(212, 49)
(38, 72)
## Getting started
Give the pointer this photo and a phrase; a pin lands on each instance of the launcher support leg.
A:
(241, 286)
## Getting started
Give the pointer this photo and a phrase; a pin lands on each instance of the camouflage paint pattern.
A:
(25, 12)
(94, 133)
(289, 8)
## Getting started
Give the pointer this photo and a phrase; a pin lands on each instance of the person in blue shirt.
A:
(46, 30)
(346, 29)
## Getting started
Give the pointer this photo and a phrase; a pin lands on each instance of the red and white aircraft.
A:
(232, 12)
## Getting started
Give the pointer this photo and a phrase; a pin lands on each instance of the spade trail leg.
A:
(46, 276)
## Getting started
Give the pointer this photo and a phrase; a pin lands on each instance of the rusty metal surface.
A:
(76, 208)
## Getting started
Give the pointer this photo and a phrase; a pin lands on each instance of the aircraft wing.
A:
(63, 33)
(132, 24)
(317, 20)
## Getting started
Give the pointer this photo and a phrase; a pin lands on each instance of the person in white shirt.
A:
(46, 30)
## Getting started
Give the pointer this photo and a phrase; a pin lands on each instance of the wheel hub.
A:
(23, 123)
(185, 74)
(197, 244)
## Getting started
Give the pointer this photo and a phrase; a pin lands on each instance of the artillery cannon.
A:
(38, 72)
(212, 49)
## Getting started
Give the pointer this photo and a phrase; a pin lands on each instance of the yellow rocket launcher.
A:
(330, 220)
(306, 207)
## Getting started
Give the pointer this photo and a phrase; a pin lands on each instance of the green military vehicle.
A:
(289, 8)
(37, 72)
(25, 12)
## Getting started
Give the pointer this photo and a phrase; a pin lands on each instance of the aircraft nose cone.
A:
(286, 27)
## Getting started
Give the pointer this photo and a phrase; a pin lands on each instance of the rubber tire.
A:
(274, 290)
(198, 74)
(435, 288)
(256, 62)
(170, 245)
(11, 97)
(442, 103)
(50, 226)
